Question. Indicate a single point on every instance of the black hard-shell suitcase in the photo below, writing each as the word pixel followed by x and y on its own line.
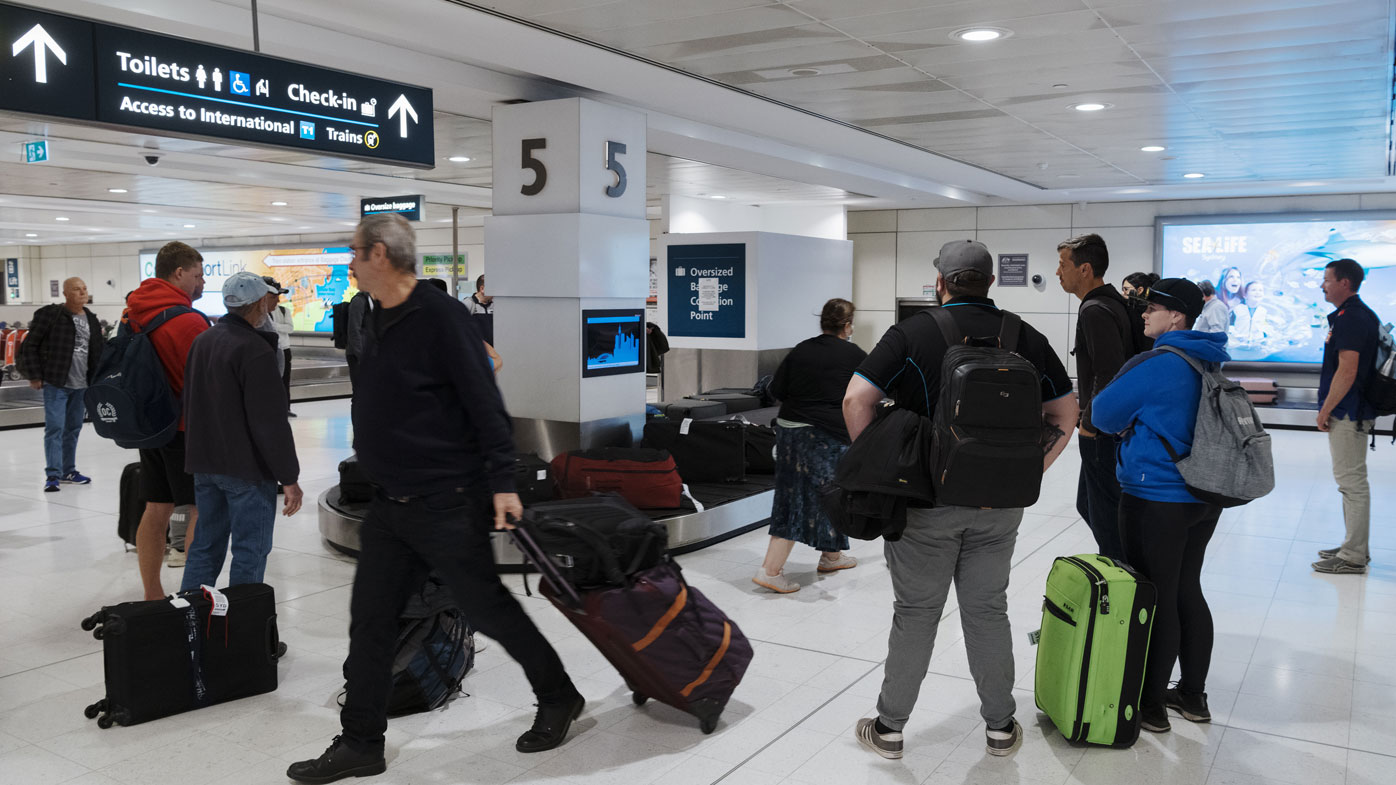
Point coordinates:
pixel 533 479
pixel 736 402
pixel 130 504
pixel 703 451
pixel 164 657
pixel 692 409
pixel 354 487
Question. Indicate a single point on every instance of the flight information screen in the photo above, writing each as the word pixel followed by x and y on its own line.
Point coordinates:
pixel 613 341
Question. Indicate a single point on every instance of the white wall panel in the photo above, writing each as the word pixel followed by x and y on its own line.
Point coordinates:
pixel 1040 216
pixel 1041 247
pixel 874 269
pixel 916 253
pixel 872 221
pixel 1131 249
pixel 960 219
pixel 868 327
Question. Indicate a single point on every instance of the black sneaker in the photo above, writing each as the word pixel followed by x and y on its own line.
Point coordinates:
pixel 336 763
pixel 1193 706
pixel 1154 719
pixel 550 724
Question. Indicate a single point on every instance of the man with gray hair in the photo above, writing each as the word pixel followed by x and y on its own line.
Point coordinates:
pixel 60 357
pixel 434 439
pixel 1216 317
pixel 239 442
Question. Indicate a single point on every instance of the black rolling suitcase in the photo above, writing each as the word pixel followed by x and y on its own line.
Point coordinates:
pixel 693 409
pixel 164 657
pixel 703 451
pixel 533 479
pixel 131 505
pixel 736 402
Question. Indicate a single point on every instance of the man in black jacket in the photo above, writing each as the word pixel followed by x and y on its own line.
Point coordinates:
pixel 238 443
pixel 432 435
pixel 60 356
pixel 1104 341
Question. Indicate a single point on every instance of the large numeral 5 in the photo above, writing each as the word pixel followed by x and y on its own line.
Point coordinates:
pixel 540 172
pixel 614 149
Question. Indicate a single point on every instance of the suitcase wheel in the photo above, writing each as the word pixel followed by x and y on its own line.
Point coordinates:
pixel 99 633
pixel 92 621
pixel 92 711
pixel 104 721
pixel 639 699
pixel 707 711
pixel 708 725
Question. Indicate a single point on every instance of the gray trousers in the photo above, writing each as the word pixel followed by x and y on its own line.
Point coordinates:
pixel 1347 444
pixel 974 548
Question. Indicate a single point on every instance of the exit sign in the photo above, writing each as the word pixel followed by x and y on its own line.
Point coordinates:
pixel 36 152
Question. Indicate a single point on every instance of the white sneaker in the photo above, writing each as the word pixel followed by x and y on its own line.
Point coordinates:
pixel 777 583
pixel 843 562
pixel 175 558
pixel 888 745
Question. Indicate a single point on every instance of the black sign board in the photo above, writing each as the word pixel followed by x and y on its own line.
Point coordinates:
pixel 74 68
pixel 1013 269
pixel 409 207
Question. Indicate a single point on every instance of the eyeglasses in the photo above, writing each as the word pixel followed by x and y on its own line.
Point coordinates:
pixel 1146 294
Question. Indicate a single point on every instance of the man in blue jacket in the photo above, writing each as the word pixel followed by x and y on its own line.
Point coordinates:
pixel 1165 530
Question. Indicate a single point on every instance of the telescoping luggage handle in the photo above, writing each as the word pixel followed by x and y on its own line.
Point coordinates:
pixel 524 541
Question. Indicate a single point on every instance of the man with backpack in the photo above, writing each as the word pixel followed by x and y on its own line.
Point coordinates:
pixel 178 282
pixel 1349 356
pixel 968 536
pixel 1104 341
pixel 60 357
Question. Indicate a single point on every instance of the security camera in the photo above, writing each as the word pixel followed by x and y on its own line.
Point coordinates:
pixel 151 157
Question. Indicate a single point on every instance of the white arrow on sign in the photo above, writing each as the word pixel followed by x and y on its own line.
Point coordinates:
pixel 403 108
pixel 39 38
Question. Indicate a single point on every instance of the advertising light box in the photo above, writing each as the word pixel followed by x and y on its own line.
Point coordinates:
pixel 1268 269
pixel 316 277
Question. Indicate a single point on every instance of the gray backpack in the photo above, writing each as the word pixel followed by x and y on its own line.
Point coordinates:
pixel 1230 463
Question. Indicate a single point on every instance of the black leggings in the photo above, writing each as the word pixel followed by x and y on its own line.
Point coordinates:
pixel 1165 541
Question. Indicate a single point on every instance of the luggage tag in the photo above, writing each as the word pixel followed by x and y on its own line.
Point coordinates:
pixel 1034 636
pixel 542 474
pixel 683 426
pixel 219 600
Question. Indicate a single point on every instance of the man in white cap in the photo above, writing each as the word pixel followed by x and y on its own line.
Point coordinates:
pixel 239 444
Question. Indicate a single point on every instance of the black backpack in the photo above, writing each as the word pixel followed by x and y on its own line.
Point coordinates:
pixel 435 649
pixel 597 541
pixel 1380 391
pixel 987 447
pixel 883 470
pixel 131 402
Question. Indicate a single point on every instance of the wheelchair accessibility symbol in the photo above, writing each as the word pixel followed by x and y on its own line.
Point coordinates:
pixel 371 139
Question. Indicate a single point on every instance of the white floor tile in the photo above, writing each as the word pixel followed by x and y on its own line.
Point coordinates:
pixel 1281 759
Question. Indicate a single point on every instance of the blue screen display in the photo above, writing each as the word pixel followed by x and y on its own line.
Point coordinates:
pixel 613 342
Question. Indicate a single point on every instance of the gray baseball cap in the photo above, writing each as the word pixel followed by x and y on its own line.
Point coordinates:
pixel 245 288
pixel 957 256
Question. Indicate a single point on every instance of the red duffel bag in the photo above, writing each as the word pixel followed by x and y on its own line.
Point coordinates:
pixel 646 478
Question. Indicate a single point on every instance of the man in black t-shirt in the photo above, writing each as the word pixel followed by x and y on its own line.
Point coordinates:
pixel 971 545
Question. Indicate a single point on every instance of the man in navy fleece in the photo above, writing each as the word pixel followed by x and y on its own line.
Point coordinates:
pixel 1164 529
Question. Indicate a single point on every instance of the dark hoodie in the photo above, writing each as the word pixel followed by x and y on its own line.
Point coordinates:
pixel 1156 394
pixel 1104 341
pixel 173 339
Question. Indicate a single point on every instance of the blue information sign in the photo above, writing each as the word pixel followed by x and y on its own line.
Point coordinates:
pixel 707 290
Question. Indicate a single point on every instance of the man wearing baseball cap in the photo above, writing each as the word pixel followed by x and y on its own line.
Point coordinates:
pixel 970 545
pixel 279 321
pixel 1164 529
pixel 239 441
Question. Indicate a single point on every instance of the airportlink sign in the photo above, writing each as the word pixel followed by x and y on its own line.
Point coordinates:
pixel 63 66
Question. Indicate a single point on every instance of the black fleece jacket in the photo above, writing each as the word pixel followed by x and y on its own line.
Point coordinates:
pixel 1104 341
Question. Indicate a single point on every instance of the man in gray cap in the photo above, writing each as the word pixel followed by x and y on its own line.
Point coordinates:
pixel 973 546
pixel 239 444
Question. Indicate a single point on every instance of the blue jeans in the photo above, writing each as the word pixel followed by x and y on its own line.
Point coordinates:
pixel 63 413
pixel 236 509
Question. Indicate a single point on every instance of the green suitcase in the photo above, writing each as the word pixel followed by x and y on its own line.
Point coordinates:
pixel 1096 618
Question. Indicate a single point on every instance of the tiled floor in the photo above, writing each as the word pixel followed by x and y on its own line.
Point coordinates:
pixel 1303 683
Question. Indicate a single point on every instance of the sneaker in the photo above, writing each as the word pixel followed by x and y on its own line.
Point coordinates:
pixel 1003 742
pixel 336 763
pixel 888 745
pixel 1337 566
pixel 777 583
pixel 74 478
pixel 1193 706
pixel 175 558
pixel 843 562
pixel 51 485
pixel 1330 553
pixel 1155 719
pixel 550 724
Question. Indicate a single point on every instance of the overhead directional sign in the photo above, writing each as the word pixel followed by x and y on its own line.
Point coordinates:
pixel 409 207
pixel 68 67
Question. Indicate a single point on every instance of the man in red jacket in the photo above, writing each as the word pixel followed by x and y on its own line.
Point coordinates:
pixel 178 281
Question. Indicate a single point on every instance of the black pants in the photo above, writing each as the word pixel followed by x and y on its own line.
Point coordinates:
pixel 1165 541
pixel 1098 492
pixel 286 374
pixel 449 533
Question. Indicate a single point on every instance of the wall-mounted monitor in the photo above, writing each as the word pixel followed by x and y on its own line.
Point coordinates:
pixel 613 341
pixel 1267 270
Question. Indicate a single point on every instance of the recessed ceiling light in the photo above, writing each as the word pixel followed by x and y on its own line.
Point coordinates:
pixel 980 34
pixel 116 190
pixel 458 159
pixel 30 234
pixel 1194 175
pixel 1134 191
pixel 1068 176
pixel 277 218
pixel 1152 148
pixel 1090 107
pixel 303 228
pixel 63 218
pixel 189 226
pixel 805 72
pixel 278 204
pixel 717 196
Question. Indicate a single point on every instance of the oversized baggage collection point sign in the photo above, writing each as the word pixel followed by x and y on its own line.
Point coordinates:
pixel 68 67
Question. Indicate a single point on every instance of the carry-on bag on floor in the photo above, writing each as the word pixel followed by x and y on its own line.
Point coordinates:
pixel 164 657
pixel 703 451
pixel 736 402
pixel 130 504
pixel 1097 615
pixel 533 479
pixel 435 649
pixel 667 640
pixel 646 478
pixel 692 409
pixel 354 487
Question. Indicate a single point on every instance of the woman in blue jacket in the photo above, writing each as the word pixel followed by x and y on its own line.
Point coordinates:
pixel 1165 530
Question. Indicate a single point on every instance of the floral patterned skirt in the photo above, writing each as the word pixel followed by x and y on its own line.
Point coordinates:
pixel 805 460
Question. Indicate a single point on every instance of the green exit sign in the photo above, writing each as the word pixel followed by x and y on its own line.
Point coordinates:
pixel 36 152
